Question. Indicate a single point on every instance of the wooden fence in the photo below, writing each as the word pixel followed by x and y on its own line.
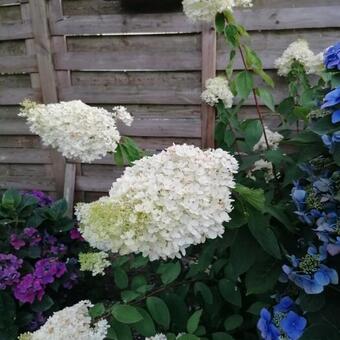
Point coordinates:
pixel 155 64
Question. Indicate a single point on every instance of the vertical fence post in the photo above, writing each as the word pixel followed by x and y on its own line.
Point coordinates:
pixel 208 71
pixel 63 79
pixel 42 42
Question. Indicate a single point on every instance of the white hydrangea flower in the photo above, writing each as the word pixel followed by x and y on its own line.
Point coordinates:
pixel 70 323
pixel 94 262
pixel 217 89
pixel 206 10
pixel 122 114
pixel 274 139
pixel 163 204
pixel 77 130
pixel 161 336
pixel 262 165
pixel 299 51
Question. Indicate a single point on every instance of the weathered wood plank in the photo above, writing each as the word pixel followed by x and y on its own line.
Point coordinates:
pixel 69 186
pixel 176 60
pixel 47 75
pixel 39 170
pixel 9 13
pixel 25 156
pixel 289 18
pixel 12 48
pixel 94 183
pixel 14 127
pixel 270 45
pixel 14 96
pixel 18 64
pixel 79 7
pixel 208 71
pixel 19 142
pixel 133 96
pixel 17 30
pixel 9 2
pixel 118 24
pixel 27 183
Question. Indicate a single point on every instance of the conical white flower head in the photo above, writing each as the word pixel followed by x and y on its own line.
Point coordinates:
pixel 163 204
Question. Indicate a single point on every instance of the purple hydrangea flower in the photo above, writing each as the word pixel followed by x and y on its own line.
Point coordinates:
pixel 9 274
pixel 28 289
pixel 16 242
pixel 47 270
pixel 43 199
pixel 75 234
pixel 32 235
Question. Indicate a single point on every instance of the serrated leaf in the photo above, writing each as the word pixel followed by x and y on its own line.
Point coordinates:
pixel 255 197
pixel 266 98
pixel 244 84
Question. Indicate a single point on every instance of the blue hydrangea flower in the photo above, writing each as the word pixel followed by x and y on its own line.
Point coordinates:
pixel 282 323
pixel 293 325
pixel 332 57
pixel 336 117
pixel 332 98
pixel 309 273
pixel 330 141
pixel 266 326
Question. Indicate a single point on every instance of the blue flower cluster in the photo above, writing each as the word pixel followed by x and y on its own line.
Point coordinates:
pixel 282 323
pixel 332 57
pixel 309 272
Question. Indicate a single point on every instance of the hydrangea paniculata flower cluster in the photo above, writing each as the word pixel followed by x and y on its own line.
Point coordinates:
pixel 281 323
pixel 163 204
pixel 94 262
pixel 217 89
pixel 274 139
pixel 206 10
pixel 70 323
pixel 299 51
pixel 265 166
pixel 77 130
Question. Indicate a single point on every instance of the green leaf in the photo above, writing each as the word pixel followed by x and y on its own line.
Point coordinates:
pixel 252 59
pixel 126 314
pixel 221 336
pixel 145 327
pixel 255 197
pixel 232 35
pixel 230 292
pixel 159 311
pixel 323 126
pixel 97 310
pixel 256 307
pixel 262 276
pixel 230 66
pixel 320 331
pixel 121 278
pixel 232 322
pixel 311 303
pixel 44 305
pixel 219 23
pixel 336 153
pixel 194 321
pixel 252 131
pixel 122 331
pixel 188 337
pixel 286 107
pixel 265 77
pixel 263 234
pixel 267 98
pixel 202 289
pixel 244 84
pixel 169 272
pixel 242 252
pixel 119 156
pixel 11 199
pixel 129 295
